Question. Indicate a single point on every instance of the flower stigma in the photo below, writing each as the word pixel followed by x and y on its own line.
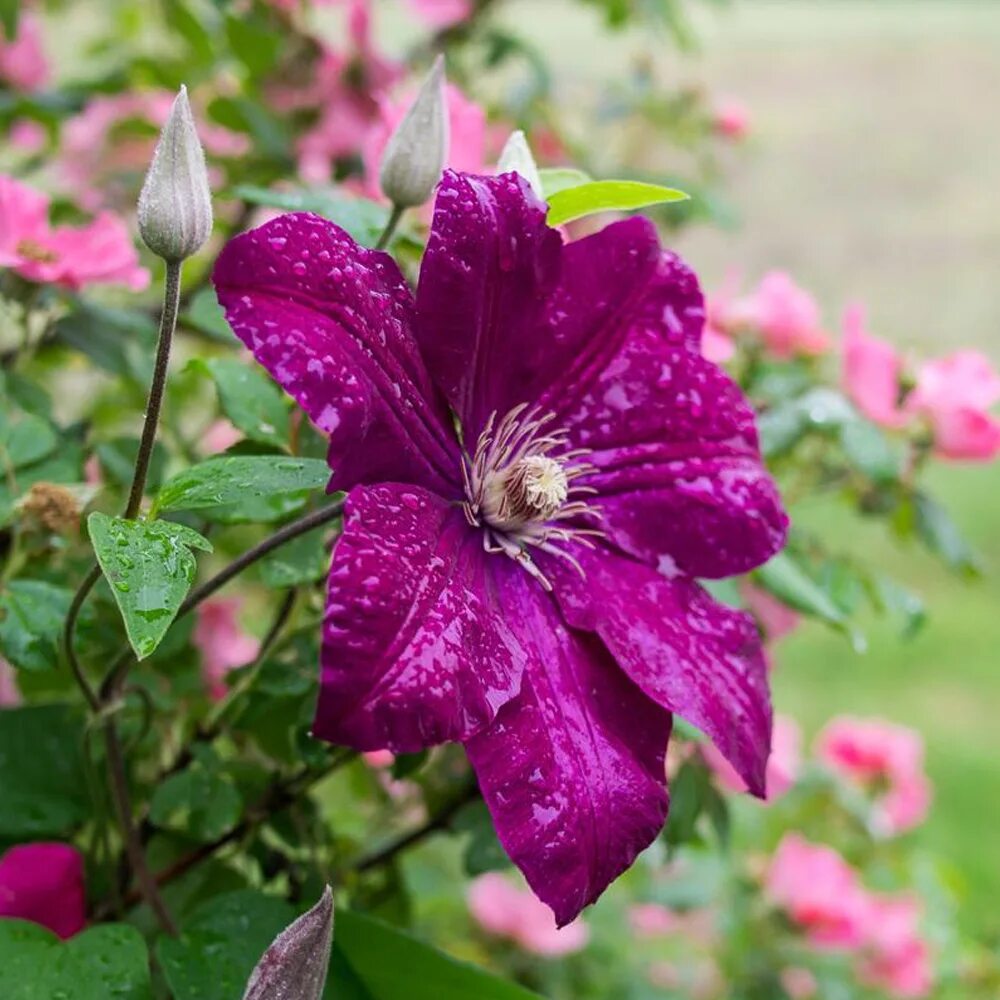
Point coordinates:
pixel 520 489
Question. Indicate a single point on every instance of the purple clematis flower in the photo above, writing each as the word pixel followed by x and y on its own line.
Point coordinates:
pixel 524 584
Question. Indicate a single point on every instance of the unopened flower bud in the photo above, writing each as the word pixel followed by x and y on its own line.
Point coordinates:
pixel 294 967
pixel 175 205
pixel 516 156
pixel 416 152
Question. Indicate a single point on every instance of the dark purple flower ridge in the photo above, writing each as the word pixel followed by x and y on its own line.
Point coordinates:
pixel 529 589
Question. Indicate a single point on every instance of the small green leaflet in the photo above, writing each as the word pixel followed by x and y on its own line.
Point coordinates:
pixel 250 399
pixel 32 613
pixel 105 961
pixel 607 196
pixel 150 567
pixel 220 482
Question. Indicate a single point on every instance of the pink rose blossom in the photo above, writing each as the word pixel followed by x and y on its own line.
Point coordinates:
pixel 10 693
pixel 785 315
pixel 100 252
pixel 819 891
pixel 441 13
pixel 872 371
pixel 220 436
pixel 886 759
pixel 783 766
pixel 23 65
pixel 43 883
pixel 223 644
pixel 731 119
pixel 504 911
pixel 955 393
pixel 27 136
pixel 895 957
pixel 468 131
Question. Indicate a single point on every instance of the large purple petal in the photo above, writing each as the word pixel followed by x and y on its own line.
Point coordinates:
pixel 690 654
pixel 573 769
pixel 331 321
pixel 489 265
pixel 416 650
pixel 680 480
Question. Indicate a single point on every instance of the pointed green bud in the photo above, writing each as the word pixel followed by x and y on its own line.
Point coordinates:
pixel 294 967
pixel 516 156
pixel 416 152
pixel 175 205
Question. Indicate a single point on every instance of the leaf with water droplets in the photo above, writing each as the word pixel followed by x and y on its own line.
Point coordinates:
pixel 572 203
pixel 276 482
pixel 104 963
pixel 32 613
pixel 250 400
pixel 150 567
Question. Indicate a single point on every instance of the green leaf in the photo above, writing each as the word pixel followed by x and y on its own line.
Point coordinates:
pixel 150 567
pixel 391 964
pixel 364 220
pixel 217 949
pixel 32 613
pixel 26 440
pixel 117 458
pixel 784 577
pixel 556 179
pixel 105 962
pixel 41 773
pixel 872 453
pixel 302 560
pixel 199 801
pixel 205 315
pixel 237 479
pixel 250 400
pixel 118 340
pixel 940 534
pixel 483 851
pixel 253 42
pixel 9 15
pixel 607 196
pixel 689 795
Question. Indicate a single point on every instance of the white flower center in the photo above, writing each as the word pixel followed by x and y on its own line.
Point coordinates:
pixel 520 489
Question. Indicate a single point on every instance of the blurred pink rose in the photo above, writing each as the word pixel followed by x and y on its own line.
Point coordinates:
pixel 100 252
pixel 23 65
pixel 43 883
pixel 379 759
pixel 27 136
pixel 785 315
pixel 884 758
pixel 222 642
pixel 10 693
pixel 783 766
pixel 799 983
pixel 505 911
pixel 467 124
pixel 775 618
pixel 895 957
pixel 441 13
pixel 219 436
pixel 819 891
pixel 650 920
pixel 101 159
pixel 955 393
pixel 872 371
pixel 731 119
pixel 716 346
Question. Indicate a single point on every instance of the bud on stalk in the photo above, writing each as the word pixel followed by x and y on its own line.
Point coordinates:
pixel 175 205
pixel 294 967
pixel 516 156
pixel 416 152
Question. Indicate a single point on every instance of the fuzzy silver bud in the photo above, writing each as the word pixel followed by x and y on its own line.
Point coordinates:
pixel 516 156
pixel 175 205
pixel 294 967
pixel 417 150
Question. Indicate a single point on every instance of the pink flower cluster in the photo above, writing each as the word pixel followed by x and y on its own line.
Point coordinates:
pixel 953 395
pixel 504 911
pixel 823 896
pixel 100 252
pixel 885 760
pixel 223 644
pixel 43 883
pixel 23 64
